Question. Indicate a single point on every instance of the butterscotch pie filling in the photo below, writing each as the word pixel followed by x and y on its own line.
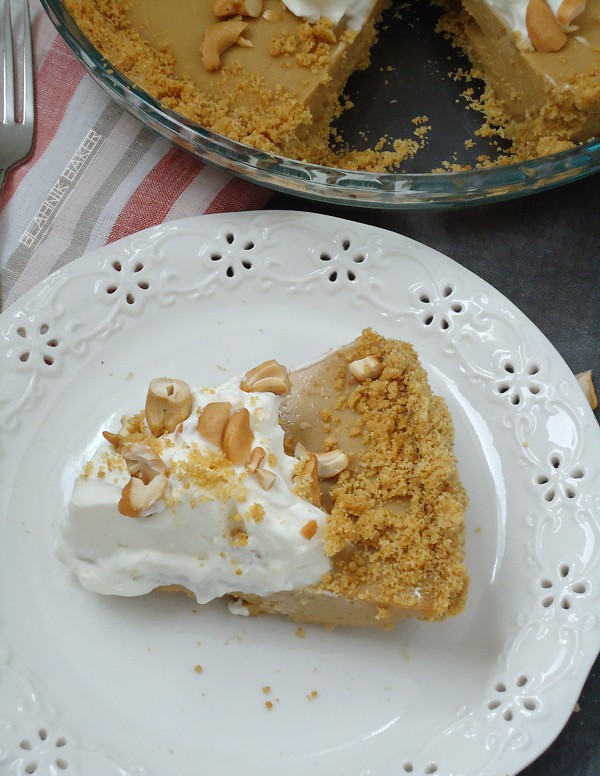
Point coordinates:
pixel 329 494
pixel 270 73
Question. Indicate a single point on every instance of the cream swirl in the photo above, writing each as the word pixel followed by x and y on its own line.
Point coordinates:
pixel 354 12
pixel 214 532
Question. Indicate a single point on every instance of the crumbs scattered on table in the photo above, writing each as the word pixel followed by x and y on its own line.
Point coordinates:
pixel 198 669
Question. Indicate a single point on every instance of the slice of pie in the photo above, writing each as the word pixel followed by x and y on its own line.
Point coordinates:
pixel 269 74
pixel 541 61
pixel 330 495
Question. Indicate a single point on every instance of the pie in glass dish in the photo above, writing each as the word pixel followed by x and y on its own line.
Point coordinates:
pixel 271 73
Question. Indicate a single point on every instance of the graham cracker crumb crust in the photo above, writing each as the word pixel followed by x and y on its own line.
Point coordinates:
pixel 397 522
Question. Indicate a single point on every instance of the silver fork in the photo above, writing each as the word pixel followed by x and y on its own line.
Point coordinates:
pixel 16 137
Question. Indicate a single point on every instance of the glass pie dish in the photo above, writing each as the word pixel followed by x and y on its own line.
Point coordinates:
pixel 417 65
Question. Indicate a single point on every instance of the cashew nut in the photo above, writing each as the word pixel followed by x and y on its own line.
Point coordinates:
pixel 168 403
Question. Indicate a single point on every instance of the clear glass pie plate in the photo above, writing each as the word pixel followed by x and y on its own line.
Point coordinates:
pixel 417 64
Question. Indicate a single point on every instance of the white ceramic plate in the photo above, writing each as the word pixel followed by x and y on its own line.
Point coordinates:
pixel 106 686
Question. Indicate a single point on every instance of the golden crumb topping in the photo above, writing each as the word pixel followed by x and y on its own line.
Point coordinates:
pixel 396 527
pixel 285 43
pixel 204 475
pixel 239 537
pixel 316 43
pixel 309 529
pixel 256 512
pixel 211 472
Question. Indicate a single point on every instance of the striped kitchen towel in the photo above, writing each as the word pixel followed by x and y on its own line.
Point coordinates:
pixel 96 174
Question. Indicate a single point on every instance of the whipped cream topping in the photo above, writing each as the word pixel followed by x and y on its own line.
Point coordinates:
pixel 512 12
pixel 354 12
pixel 514 15
pixel 215 531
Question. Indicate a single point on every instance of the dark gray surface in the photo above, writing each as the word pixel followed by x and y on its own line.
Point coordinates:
pixel 543 253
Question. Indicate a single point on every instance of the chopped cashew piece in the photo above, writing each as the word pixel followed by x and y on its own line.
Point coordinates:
pixel 587 386
pixel 118 440
pixel 256 457
pixel 307 480
pixel 268 377
pixel 365 368
pixel 238 437
pixel 138 497
pixel 217 39
pixel 568 10
pixel 331 464
pixel 272 16
pixel 300 451
pixel 168 403
pixel 212 421
pixel 266 478
pixel 251 8
pixel 309 529
pixel 143 462
pixel 544 31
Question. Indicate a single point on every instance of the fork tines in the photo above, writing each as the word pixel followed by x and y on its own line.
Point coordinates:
pixel 16 137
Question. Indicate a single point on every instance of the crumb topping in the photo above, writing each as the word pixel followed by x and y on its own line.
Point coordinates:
pixel 256 512
pixel 396 525
pixel 285 43
pixel 317 41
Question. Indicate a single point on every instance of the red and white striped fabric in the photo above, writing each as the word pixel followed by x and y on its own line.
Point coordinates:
pixel 96 174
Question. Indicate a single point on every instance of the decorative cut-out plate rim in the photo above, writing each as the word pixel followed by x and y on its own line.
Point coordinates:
pixel 521 420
